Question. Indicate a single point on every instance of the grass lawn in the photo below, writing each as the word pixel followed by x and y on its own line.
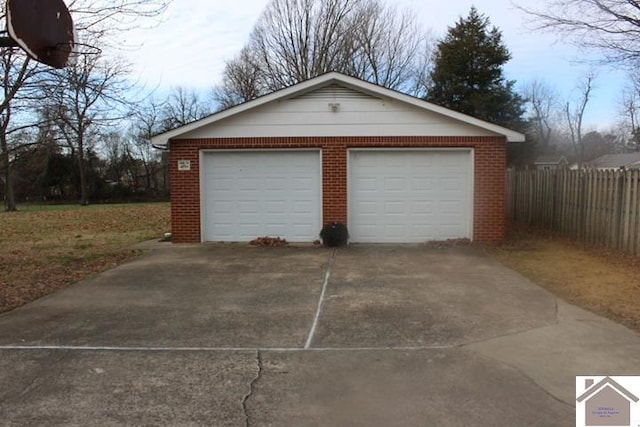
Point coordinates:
pixel 601 280
pixel 43 249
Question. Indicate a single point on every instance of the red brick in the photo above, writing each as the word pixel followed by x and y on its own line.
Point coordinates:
pixel 489 177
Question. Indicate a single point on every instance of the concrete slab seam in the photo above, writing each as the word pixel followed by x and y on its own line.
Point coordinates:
pixel 506 335
pixel 530 379
pixel 252 389
pixel 316 318
pixel 221 349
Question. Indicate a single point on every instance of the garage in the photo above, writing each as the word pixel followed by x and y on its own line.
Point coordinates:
pixel 408 196
pixel 336 149
pixel 260 193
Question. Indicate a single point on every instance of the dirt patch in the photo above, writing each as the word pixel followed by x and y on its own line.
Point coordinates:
pixel 42 251
pixel 601 280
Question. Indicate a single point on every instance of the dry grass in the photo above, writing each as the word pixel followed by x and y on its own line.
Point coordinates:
pixel 601 280
pixel 45 249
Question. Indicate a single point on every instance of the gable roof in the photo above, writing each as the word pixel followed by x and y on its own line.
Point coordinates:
pixel 610 382
pixel 551 159
pixel 615 161
pixel 342 80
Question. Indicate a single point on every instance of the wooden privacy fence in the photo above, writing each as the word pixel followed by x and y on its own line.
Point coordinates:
pixel 597 207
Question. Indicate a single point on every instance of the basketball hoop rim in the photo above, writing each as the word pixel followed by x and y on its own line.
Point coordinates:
pixel 72 48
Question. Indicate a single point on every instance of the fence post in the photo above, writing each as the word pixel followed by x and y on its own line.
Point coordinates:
pixel 627 211
pixel 635 204
pixel 617 209
pixel 581 205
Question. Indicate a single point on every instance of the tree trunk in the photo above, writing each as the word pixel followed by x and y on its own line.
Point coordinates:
pixel 9 195
pixel 84 194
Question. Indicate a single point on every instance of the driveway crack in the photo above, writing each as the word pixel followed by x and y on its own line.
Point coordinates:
pixel 252 389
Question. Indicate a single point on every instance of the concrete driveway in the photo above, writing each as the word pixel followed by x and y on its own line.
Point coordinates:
pixel 304 336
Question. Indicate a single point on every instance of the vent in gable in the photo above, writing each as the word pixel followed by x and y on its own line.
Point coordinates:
pixel 333 92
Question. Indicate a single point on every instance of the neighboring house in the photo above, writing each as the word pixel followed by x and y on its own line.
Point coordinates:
pixel 393 168
pixel 551 162
pixel 615 161
pixel 607 403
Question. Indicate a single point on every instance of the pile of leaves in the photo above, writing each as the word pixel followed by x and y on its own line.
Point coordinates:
pixel 271 242
pixel 449 243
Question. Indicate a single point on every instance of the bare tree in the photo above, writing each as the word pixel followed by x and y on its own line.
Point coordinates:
pixel 610 26
pixel 148 122
pixel 183 106
pixel 575 116
pixel 104 20
pixel 15 71
pixel 630 114
pixel 544 111
pixel 85 97
pixel 295 40
pixel 387 44
pixel 241 81
pixel 108 21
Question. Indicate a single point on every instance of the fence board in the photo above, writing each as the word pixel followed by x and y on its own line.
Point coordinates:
pixel 634 228
pixel 597 207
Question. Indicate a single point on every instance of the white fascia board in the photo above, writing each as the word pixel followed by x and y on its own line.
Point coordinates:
pixel 375 90
pixel 163 138
pixel 335 77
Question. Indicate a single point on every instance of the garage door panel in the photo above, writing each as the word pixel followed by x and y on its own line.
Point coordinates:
pixel 276 206
pixel 422 208
pixel 451 184
pixel 394 184
pixel 409 196
pixel 250 194
pixel 303 208
pixel 394 229
pixel 274 184
pixel 422 184
pixel 394 208
pixel 452 208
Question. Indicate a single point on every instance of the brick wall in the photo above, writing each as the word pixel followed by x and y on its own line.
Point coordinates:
pixel 489 173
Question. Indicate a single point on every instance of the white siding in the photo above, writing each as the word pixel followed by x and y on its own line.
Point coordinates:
pixel 359 114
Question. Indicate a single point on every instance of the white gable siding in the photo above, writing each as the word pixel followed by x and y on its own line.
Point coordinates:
pixel 359 114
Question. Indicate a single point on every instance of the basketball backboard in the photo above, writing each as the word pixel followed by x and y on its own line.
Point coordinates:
pixel 43 29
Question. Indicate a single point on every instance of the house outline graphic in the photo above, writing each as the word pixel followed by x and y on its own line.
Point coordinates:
pixel 607 403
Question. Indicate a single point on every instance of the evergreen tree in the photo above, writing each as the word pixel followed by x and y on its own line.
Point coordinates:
pixel 468 76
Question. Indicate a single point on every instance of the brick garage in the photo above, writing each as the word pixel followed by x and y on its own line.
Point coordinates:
pixel 391 167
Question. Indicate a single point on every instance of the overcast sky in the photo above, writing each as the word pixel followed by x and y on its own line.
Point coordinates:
pixel 196 36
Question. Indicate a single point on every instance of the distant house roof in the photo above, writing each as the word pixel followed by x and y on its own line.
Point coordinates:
pixel 551 159
pixel 616 161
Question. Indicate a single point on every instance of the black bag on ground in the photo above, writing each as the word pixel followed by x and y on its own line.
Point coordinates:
pixel 334 234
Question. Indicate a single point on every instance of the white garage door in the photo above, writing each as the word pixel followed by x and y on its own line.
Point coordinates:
pixel 410 196
pixel 249 194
